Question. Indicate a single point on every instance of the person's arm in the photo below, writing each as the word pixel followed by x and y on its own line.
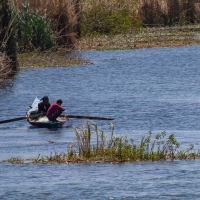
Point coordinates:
pixel 48 106
pixel 60 107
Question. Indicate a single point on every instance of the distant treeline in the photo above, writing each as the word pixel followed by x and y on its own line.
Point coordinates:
pixel 42 24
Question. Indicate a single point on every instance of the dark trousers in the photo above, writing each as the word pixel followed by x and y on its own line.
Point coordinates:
pixel 54 115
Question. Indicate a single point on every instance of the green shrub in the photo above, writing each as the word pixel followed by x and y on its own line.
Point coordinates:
pixel 102 19
pixel 33 29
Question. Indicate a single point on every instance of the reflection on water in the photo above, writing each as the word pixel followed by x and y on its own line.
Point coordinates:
pixel 146 89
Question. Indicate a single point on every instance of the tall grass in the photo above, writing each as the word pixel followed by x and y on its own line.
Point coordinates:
pixel 63 16
pixel 71 19
pixel 93 145
pixel 8 34
pixel 8 49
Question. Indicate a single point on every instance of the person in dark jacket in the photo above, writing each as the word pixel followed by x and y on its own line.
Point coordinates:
pixel 44 105
pixel 55 110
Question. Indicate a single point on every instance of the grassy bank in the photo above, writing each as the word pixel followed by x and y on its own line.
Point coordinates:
pixel 144 38
pixel 93 145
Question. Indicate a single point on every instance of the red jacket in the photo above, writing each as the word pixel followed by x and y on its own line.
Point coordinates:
pixel 53 108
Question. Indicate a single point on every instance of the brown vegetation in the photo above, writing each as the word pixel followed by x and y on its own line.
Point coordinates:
pixel 7 33
pixel 167 12
pixel 67 20
pixel 8 56
pixel 151 12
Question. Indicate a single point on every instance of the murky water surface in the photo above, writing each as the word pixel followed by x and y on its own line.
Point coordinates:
pixel 146 89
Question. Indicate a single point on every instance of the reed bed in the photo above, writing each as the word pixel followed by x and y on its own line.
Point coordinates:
pixel 120 16
pixel 71 19
pixel 114 24
pixel 7 56
pixel 108 17
pixel 8 49
pixel 168 12
pixel 92 144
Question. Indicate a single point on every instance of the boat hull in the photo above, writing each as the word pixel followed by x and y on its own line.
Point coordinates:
pixel 50 125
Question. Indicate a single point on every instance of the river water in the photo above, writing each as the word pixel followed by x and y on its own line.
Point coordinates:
pixel 146 89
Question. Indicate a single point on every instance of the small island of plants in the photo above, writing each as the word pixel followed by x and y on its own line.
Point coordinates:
pixel 92 145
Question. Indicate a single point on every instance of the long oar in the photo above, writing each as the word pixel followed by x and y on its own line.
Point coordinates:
pixel 12 120
pixel 64 115
pixel 19 118
pixel 86 117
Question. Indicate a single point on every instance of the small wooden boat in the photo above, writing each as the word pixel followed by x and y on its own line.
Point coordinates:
pixel 41 121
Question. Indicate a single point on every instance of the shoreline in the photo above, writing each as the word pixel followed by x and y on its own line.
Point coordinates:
pixel 143 38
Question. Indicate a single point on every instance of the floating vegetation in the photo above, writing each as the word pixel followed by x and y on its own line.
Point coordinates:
pixel 53 158
pixel 92 145
pixel 14 160
pixel 51 58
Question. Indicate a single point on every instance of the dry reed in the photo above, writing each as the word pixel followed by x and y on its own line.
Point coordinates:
pixel 167 12
pixel 7 46
pixel 152 12
pixel 5 69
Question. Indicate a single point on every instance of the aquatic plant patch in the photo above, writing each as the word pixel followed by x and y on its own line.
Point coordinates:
pixel 92 144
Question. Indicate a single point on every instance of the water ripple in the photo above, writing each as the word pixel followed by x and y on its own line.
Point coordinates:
pixel 146 89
